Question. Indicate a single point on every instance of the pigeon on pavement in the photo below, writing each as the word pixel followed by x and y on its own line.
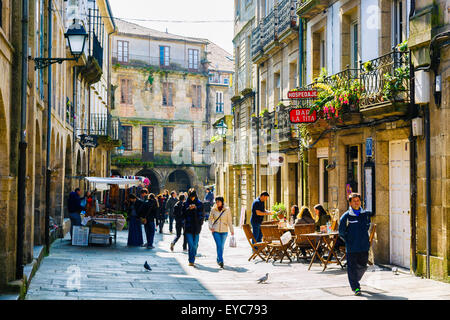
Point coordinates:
pixel 146 266
pixel 263 279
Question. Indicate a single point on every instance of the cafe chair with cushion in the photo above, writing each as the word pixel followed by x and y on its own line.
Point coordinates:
pixel 258 248
pixel 278 246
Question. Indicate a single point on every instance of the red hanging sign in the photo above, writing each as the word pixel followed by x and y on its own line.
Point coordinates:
pixel 302 116
pixel 303 94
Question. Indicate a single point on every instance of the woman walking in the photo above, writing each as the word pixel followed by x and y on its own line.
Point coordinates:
pixel 193 217
pixel 135 238
pixel 179 222
pixel 220 221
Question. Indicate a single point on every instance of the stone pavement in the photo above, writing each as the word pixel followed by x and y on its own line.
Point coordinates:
pixel 117 272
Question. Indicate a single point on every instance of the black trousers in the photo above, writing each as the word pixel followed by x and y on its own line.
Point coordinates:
pixel 179 229
pixel 356 267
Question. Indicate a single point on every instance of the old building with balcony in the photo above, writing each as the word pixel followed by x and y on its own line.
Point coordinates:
pixel 363 58
pixel 59 100
pixel 168 91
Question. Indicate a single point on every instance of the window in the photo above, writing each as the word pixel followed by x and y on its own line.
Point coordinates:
pixel 122 51
pixel 164 56
pixel 126 91
pixel 400 30
pixel 226 81
pixel 193 59
pixel 196 142
pixel 219 102
pixel 167 94
pixel 323 181
pixel 196 96
pixel 277 91
pixel 147 139
pixel 1 14
pixel 167 139
pixel 354 168
pixel 354 45
pixel 126 137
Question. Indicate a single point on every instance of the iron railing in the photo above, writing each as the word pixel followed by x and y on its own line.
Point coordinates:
pixel 256 41
pixel 287 17
pixel 269 28
pixel 102 124
pixel 146 61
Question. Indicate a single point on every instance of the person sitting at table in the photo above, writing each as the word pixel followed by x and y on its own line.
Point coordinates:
pixel 294 212
pixel 304 217
pixel 322 217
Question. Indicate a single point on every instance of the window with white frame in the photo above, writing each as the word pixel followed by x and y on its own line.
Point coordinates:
pixel 122 51
pixel 193 59
pixel 354 45
pixel 164 56
pixel 219 102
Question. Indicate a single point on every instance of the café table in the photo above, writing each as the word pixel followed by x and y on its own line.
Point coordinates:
pixel 329 240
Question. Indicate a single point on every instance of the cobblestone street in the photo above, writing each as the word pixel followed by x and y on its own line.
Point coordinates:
pixel 117 272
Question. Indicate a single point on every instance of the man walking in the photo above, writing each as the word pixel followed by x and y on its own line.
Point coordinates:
pixel 141 205
pixel 169 208
pixel 179 222
pixel 74 206
pixel 258 213
pixel 193 217
pixel 208 202
pixel 354 230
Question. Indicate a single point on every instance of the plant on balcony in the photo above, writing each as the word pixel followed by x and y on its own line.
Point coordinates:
pixel 235 99
pixel 394 85
pixel 264 112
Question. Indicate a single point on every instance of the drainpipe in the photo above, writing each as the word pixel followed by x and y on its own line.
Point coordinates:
pixel 256 95
pixel 48 171
pixel 21 182
pixel 108 98
pixel 428 184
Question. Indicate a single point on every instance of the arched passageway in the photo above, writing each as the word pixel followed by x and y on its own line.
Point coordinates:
pixel 154 186
pixel 178 180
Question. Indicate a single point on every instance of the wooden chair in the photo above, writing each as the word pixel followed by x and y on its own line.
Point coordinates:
pixel 258 248
pixel 301 242
pixel 371 236
pixel 334 225
pixel 272 222
pixel 277 248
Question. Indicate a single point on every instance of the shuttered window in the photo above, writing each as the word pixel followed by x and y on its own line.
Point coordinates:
pixel 126 91
pixel 167 94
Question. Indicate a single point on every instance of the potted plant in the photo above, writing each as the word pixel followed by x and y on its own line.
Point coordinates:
pixel 279 211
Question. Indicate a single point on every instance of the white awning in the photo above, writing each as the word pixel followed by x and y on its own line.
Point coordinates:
pixel 102 184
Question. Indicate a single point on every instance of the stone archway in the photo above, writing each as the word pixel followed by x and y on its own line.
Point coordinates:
pixel 154 186
pixel 178 181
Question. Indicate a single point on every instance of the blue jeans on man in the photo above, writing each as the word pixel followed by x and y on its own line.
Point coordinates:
pixel 150 232
pixel 75 220
pixel 192 241
pixel 220 238
pixel 256 229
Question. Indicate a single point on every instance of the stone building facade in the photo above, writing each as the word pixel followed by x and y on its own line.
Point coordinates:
pixel 165 100
pixel 66 156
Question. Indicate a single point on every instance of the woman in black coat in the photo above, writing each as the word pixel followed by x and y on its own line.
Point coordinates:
pixel 193 220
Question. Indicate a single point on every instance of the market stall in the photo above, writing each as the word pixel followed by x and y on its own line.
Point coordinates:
pixel 107 220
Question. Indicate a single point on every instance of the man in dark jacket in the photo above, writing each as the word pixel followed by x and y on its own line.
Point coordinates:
pixel 74 207
pixel 354 230
pixel 149 211
pixel 193 220
pixel 169 208
pixel 179 222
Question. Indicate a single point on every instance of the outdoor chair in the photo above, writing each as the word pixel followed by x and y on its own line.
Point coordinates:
pixel 371 236
pixel 272 222
pixel 301 242
pixel 278 247
pixel 258 248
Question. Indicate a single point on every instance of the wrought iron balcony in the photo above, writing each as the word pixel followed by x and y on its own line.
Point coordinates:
pixel 146 61
pixel 256 42
pixel 269 28
pixel 102 125
pixel 287 18
pixel 385 80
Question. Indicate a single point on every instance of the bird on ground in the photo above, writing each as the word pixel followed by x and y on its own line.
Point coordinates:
pixel 146 266
pixel 263 279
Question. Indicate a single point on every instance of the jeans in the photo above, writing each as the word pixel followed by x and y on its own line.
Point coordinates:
pixel 192 241
pixel 356 267
pixel 171 219
pixel 256 229
pixel 179 229
pixel 150 232
pixel 161 221
pixel 75 220
pixel 220 238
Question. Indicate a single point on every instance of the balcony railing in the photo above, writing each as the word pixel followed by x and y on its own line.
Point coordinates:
pixel 102 125
pixel 256 41
pixel 269 28
pixel 145 61
pixel 287 17
pixel 385 79
pixel 381 81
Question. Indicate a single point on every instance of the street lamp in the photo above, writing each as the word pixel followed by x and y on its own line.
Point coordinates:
pixel 76 36
pixel 221 128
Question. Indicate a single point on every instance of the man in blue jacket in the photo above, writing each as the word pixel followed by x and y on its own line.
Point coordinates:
pixel 354 230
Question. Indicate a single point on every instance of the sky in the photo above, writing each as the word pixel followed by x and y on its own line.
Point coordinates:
pixel 221 33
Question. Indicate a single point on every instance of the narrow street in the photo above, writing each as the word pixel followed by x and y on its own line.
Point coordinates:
pixel 117 272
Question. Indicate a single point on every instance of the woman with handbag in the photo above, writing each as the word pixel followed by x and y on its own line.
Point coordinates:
pixel 220 221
